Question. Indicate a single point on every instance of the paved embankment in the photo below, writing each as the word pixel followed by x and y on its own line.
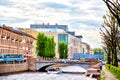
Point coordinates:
pixel 109 76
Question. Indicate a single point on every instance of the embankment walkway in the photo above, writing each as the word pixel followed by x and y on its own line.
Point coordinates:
pixel 109 76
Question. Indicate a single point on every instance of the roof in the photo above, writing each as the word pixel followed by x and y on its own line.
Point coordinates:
pixel 16 31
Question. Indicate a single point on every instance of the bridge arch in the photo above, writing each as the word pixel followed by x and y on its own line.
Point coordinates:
pixel 43 69
pixel 41 66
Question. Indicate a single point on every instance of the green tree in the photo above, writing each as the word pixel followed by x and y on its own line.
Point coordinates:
pixel 63 51
pixel 45 46
pixel 40 49
pixel 98 51
pixel 50 47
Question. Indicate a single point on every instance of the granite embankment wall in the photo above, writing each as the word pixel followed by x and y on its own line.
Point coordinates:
pixel 7 68
pixel 30 64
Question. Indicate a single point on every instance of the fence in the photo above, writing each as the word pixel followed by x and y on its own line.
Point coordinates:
pixel 88 56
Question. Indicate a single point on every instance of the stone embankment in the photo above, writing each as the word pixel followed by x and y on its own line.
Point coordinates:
pixel 7 68
pixel 58 65
pixel 30 64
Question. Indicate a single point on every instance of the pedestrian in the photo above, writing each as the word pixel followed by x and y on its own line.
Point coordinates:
pixel 100 64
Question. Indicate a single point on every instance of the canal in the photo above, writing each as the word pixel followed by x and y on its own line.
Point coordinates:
pixel 45 76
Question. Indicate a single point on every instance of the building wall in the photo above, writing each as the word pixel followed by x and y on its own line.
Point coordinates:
pixel 13 41
pixel 85 48
pixel 34 34
pixel 74 45
pixel 91 51
pixel 63 37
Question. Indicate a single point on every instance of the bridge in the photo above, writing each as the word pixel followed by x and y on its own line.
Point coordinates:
pixel 41 66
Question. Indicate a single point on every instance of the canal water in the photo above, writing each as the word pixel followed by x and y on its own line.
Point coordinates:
pixel 44 76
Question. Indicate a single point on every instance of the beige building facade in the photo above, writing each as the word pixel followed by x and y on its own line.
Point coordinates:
pixel 74 45
pixel 85 48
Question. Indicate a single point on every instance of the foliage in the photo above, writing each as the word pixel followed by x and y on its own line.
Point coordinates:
pixel 114 70
pixel 40 44
pixel 110 38
pixel 98 51
pixel 45 46
pixel 63 50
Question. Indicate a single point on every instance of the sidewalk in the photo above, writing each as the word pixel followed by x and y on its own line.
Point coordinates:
pixel 109 75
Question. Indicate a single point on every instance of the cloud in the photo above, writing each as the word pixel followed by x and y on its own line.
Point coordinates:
pixel 90 35
pixel 83 16
pixel 55 5
pixel 6 3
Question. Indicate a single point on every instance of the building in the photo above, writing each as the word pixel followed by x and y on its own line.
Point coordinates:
pixel 13 41
pixel 74 43
pixel 47 27
pixel 85 48
pixel 91 51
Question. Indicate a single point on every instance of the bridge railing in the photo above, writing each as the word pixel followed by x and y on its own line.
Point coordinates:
pixel 88 56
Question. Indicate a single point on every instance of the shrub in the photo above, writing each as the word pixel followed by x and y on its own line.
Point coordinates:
pixel 114 70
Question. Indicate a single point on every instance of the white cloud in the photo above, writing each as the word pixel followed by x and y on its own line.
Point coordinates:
pixel 90 35
pixel 83 16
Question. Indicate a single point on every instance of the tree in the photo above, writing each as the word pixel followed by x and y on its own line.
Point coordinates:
pixel 114 8
pixel 110 38
pixel 45 46
pixel 40 49
pixel 63 51
pixel 98 51
pixel 50 47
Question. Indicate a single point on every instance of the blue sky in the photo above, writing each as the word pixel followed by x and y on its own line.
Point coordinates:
pixel 82 16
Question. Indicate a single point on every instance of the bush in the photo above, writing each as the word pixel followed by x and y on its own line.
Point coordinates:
pixel 114 70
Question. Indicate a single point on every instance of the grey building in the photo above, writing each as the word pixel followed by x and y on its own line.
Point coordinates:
pixel 52 28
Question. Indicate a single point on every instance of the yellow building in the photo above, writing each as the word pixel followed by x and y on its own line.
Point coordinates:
pixel 34 34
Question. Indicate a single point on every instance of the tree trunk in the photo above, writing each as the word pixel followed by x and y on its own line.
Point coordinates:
pixel 109 57
pixel 115 58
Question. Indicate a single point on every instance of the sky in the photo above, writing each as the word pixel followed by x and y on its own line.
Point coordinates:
pixel 82 16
